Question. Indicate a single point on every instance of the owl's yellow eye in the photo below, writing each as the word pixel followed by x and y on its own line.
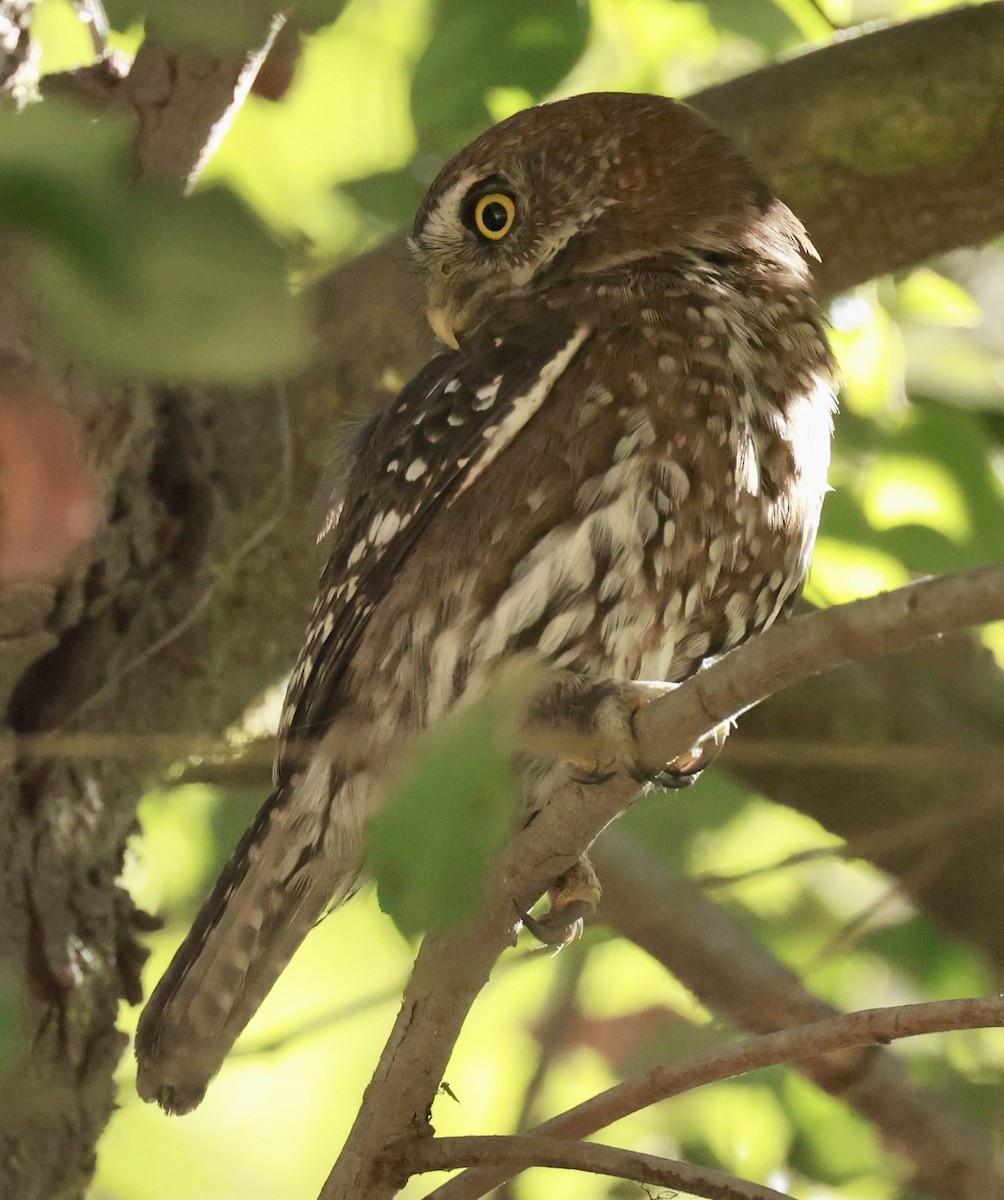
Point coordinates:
pixel 494 215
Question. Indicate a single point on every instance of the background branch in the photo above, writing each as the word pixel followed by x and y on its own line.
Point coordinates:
pixel 518 1153
pixel 792 1045
pixel 185 97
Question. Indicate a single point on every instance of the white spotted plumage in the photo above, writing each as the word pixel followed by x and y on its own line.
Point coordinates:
pixel 618 466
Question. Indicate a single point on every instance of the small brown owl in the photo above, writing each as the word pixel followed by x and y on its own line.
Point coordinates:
pixel 617 466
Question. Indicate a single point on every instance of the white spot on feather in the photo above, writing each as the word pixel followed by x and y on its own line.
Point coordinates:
pixel 522 408
pixel 389 524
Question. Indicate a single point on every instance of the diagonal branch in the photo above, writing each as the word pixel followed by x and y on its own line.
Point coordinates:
pixel 452 968
pixel 870 1027
pixel 518 1153
pixel 185 97
pixel 738 979
pixel 796 650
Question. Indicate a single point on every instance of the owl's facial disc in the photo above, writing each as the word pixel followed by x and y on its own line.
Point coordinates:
pixel 466 243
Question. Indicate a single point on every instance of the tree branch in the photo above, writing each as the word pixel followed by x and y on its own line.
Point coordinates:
pixel 796 650
pixel 739 980
pixel 889 153
pixel 451 968
pixel 184 98
pixel 870 1027
pixel 518 1153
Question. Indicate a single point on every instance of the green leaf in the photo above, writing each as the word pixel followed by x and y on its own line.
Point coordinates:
pixel 452 812
pixel 206 296
pixel 925 295
pixel 776 26
pixel 55 164
pixel 390 196
pixel 765 24
pixel 313 14
pixel 135 280
pixel 216 28
pixel 478 48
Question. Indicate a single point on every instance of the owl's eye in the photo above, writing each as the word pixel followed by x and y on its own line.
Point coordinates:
pixel 492 215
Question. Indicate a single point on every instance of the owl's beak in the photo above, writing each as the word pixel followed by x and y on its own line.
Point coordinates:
pixel 441 318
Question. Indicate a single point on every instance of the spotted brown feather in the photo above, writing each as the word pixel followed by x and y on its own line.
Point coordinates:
pixel 619 469
pixel 449 422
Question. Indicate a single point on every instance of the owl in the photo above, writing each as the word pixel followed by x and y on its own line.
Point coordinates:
pixel 616 466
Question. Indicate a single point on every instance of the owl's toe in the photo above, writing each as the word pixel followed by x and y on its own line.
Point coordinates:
pixel 686 768
pixel 613 722
pixel 574 897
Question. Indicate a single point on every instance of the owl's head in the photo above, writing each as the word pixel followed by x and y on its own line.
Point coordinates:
pixel 591 185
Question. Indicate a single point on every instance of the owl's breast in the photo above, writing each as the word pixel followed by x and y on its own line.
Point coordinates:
pixel 655 511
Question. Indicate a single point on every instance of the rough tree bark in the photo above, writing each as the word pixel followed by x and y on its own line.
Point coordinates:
pixel 889 146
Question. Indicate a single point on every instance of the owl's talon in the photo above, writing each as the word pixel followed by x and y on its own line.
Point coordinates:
pixel 574 897
pixel 557 928
pixel 614 720
pixel 686 768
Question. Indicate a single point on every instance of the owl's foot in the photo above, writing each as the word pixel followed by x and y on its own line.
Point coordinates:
pixel 604 713
pixel 573 897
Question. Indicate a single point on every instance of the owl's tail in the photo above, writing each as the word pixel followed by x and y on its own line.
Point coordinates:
pixel 290 866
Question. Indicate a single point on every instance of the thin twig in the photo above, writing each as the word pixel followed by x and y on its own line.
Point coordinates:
pixel 874 1026
pixel 514 1154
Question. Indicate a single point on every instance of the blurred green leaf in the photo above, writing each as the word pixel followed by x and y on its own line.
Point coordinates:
pixel 953 365
pixel 476 48
pixel 206 296
pixel 453 812
pixel 766 24
pixel 56 162
pixel 901 489
pixel 740 1125
pixel 831 1142
pixel 217 28
pixel 312 14
pixel 943 966
pixel 869 347
pixel 666 822
pixel 136 280
pixel 391 196
pixel 925 295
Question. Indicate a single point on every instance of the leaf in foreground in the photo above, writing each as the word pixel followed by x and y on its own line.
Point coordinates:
pixel 451 812
pixel 138 281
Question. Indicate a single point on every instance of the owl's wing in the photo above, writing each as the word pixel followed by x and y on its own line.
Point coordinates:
pixel 446 426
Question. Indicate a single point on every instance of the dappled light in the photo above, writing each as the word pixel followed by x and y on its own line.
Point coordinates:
pixel 220 288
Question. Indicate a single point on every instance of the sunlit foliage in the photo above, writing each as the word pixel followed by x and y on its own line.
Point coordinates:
pixel 381 96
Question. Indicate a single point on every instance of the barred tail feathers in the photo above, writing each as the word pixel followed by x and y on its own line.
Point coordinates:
pixel 297 859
